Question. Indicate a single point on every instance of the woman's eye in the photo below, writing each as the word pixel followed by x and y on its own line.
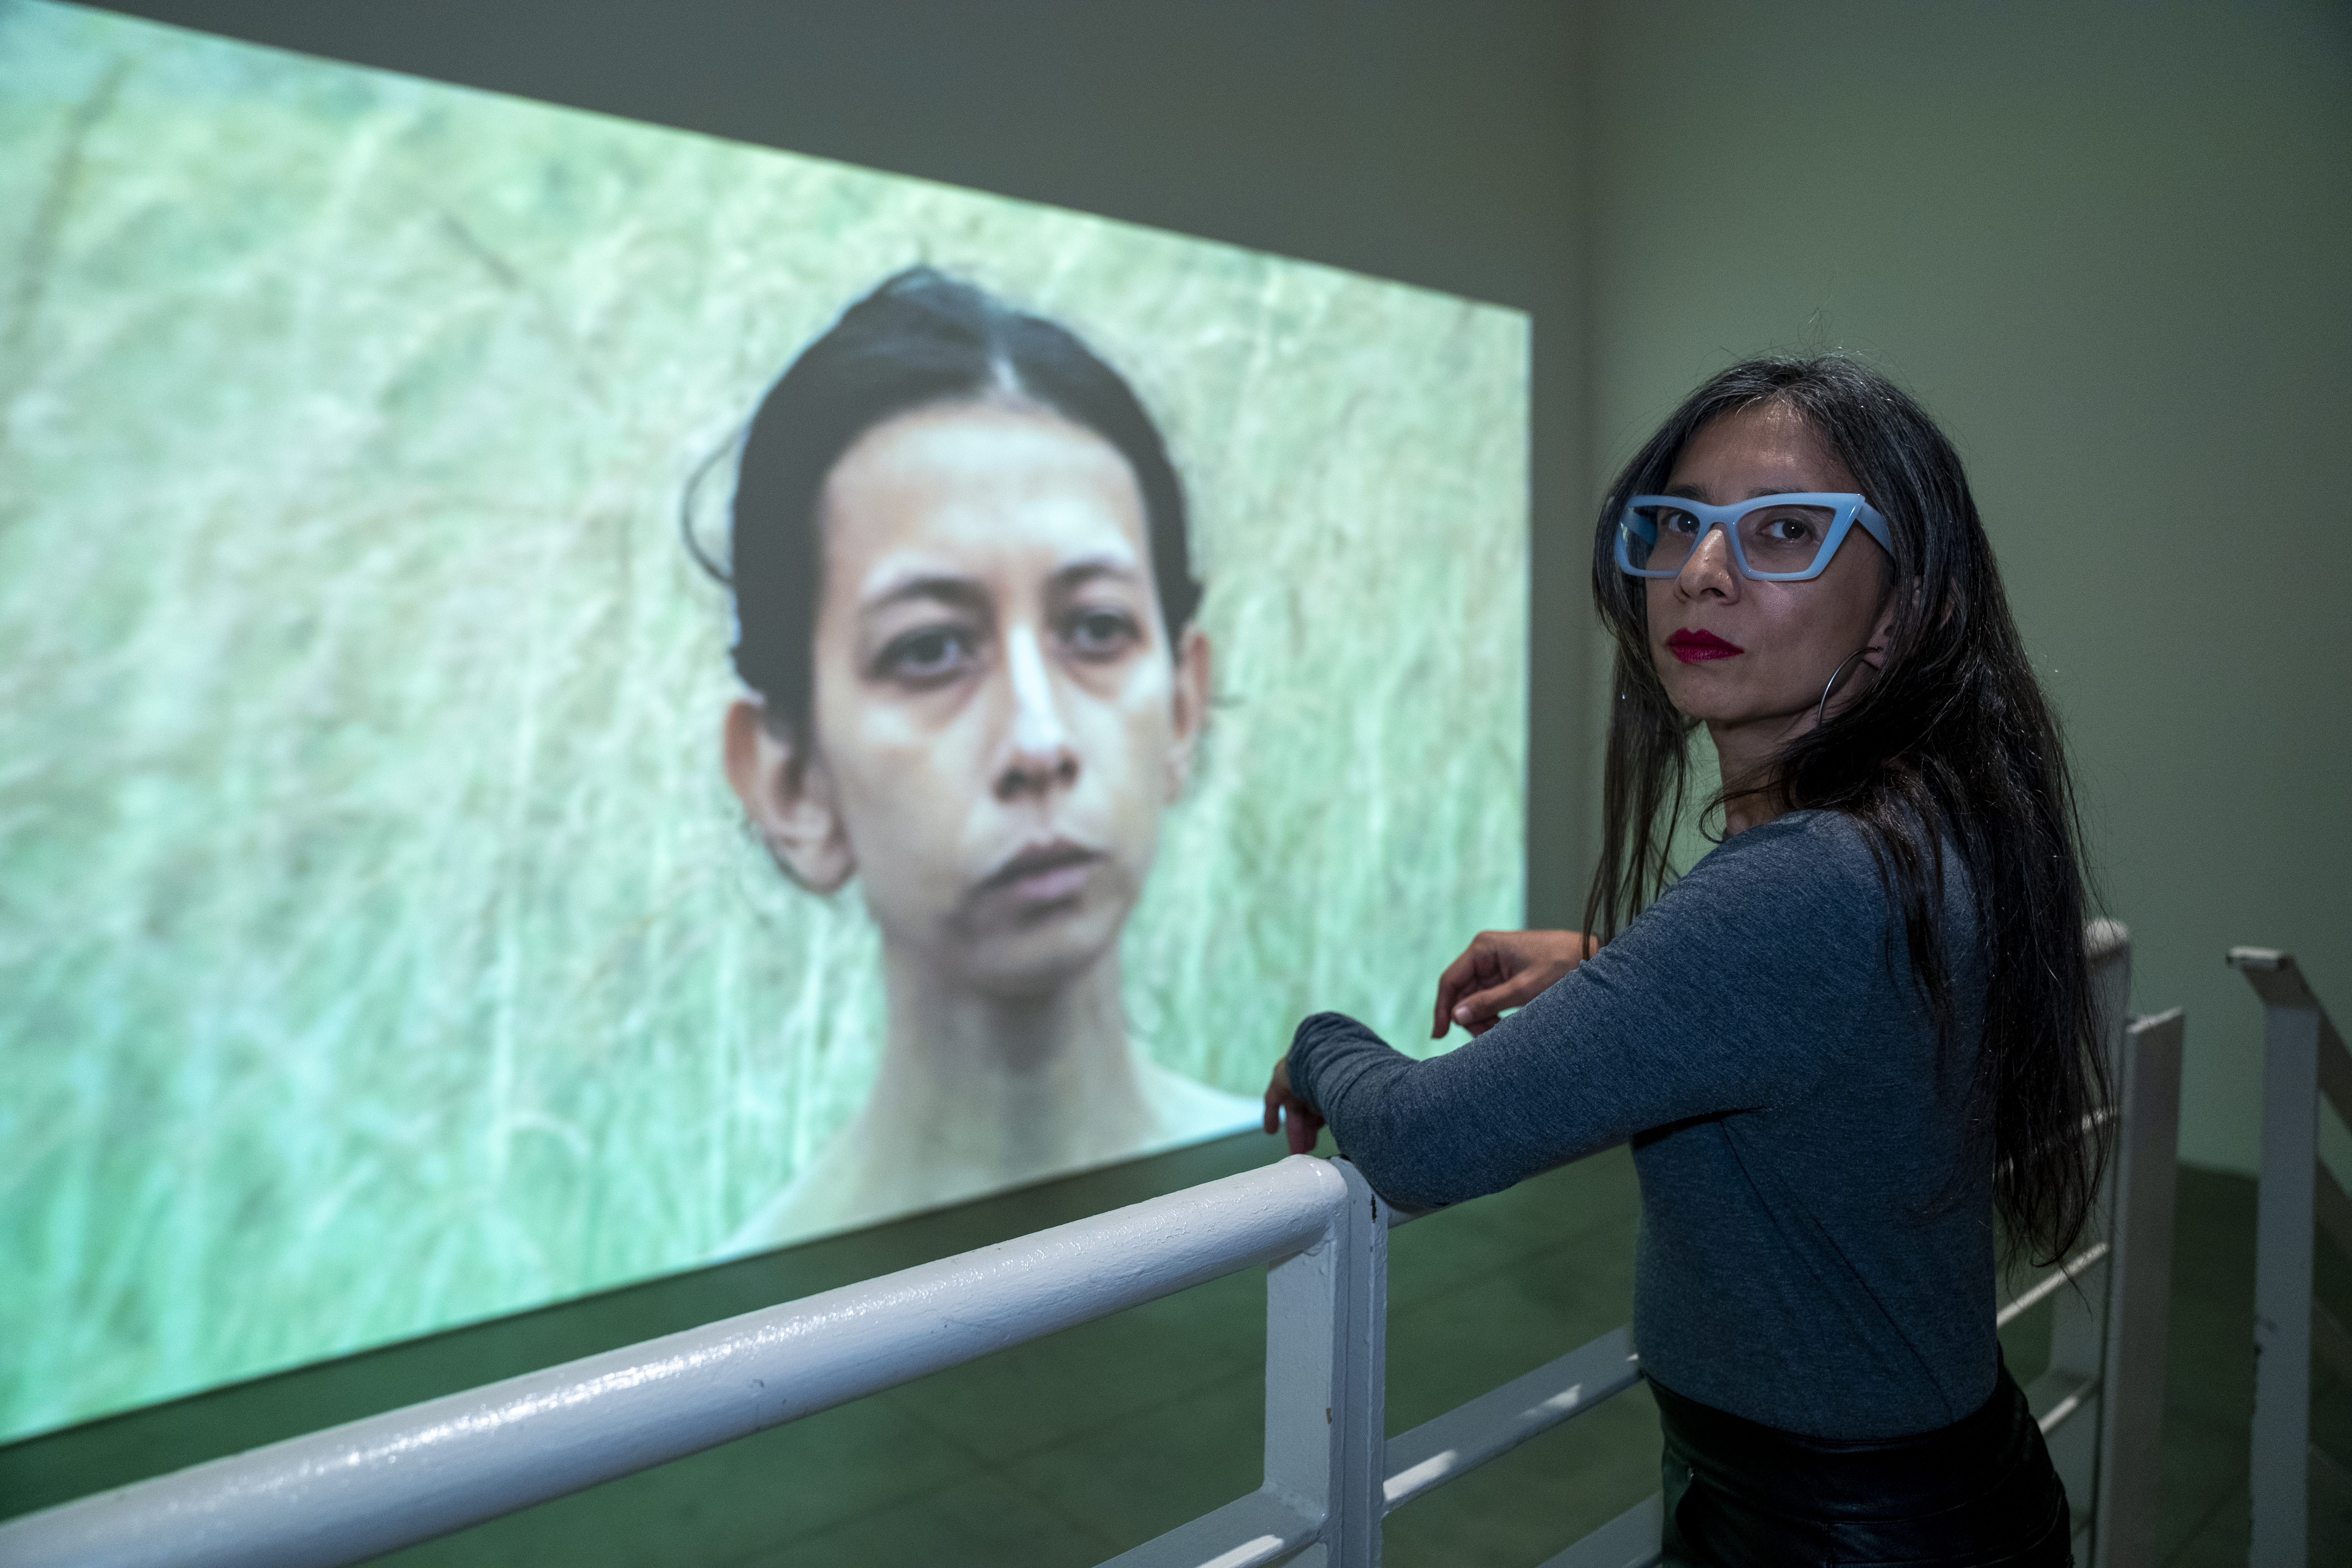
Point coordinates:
pixel 1788 529
pixel 1679 523
pixel 1100 634
pixel 934 653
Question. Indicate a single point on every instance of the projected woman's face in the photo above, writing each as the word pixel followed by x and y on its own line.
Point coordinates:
pixel 998 723
pixel 1740 653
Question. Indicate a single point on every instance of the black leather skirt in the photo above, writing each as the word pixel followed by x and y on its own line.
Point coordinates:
pixel 1979 1491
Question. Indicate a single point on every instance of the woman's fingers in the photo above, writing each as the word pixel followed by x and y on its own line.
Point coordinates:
pixel 1451 984
pixel 1491 961
pixel 1505 969
pixel 1292 1114
pixel 1482 1010
pixel 1278 1095
pixel 1303 1127
pixel 1484 963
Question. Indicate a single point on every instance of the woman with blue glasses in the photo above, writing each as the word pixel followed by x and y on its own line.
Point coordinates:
pixel 1840 1043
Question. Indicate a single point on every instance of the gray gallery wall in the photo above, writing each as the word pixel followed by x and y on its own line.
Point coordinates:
pixel 2106 242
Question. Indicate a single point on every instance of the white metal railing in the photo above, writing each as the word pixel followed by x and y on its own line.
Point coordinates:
pixel 2100 1401
pixel 370 1486
pixel 2304 1060
pixel 364 1488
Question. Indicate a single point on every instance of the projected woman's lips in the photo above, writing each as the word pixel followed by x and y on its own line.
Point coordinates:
pixel 1697 646
pixel 1042 874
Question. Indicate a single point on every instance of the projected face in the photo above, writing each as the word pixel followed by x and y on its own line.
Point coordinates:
pixel 1752 658
pixel 998 723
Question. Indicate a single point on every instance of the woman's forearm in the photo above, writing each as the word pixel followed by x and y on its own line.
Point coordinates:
pixel 1424 1138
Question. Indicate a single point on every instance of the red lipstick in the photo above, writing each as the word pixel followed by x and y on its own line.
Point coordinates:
pixel 1697 648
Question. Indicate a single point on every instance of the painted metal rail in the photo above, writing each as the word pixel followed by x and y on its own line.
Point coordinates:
pixel 2101 1401
pixel 2304 1063
pixel 369 1487
pixel 360 1490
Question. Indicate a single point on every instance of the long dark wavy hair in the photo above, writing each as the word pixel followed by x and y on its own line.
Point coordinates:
pixel 1951 745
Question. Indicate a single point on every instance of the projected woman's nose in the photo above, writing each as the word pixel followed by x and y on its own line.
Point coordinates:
pixel 1038 755
pixel 960 574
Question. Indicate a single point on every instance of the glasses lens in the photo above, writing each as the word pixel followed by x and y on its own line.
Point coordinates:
pixel 1784 538
pixel 1659 538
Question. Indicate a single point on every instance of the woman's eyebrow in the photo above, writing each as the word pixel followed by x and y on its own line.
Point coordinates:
pixel 963 593
pixel 1078 574
pixel 1698 493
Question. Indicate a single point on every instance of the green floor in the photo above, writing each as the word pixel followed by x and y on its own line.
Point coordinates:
pixel 1076 1447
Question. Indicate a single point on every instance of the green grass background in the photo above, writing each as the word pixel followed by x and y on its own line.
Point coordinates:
pixel 380 947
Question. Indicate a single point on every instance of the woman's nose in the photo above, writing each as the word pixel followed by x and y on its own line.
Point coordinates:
pixel 1710 568
pixel 1038 755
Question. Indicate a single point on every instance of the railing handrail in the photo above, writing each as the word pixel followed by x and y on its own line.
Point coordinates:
pixel 369 1486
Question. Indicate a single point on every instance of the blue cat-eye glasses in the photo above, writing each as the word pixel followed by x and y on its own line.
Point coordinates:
pixel 1774 539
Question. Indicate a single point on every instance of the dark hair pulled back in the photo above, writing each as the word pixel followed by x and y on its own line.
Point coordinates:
pixel 1951 744
pixel 919 340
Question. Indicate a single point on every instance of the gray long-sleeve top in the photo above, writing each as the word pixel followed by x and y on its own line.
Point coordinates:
pixel 1816 1247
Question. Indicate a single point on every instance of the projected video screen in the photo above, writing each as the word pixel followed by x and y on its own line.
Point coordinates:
pixel 580 700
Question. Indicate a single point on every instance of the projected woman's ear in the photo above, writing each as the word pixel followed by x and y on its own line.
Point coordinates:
pixel 787 796
pixel 965 607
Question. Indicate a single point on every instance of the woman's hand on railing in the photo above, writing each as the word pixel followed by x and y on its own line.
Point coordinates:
pixel 1286 1112
pixel 1501 970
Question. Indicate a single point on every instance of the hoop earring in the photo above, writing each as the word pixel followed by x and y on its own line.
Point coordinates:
pixel 1821 713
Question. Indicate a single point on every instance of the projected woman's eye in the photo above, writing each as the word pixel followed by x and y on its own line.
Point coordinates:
pixel 1101 635
pixel 929 655
pixel 980 715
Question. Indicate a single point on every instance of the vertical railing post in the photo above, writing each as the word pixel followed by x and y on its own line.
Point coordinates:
pixel 1326 1368
pixel 2078 1320
pixel 1363 1425
pixel 2139 1293
pixel 2283 1248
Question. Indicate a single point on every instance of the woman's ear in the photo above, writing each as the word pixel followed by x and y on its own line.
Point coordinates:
pixel 1882 630
pixel 789 797
pixel 1882 635
pixel 1191 706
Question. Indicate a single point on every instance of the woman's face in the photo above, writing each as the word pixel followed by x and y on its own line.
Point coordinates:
pixel 1784 639
pixel 998 723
